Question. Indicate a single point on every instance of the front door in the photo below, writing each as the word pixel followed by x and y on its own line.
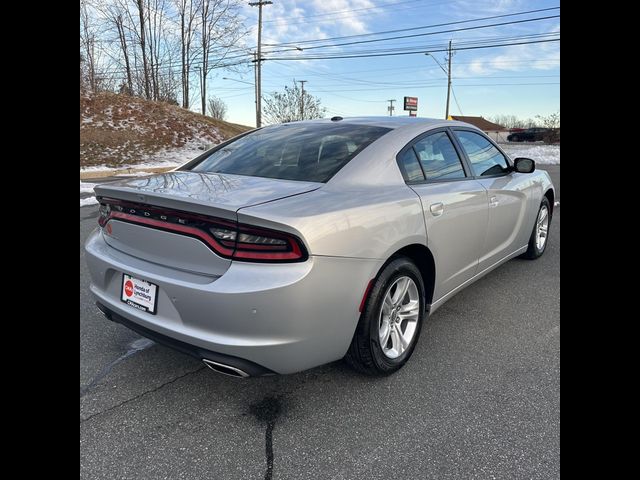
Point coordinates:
pixel 507 197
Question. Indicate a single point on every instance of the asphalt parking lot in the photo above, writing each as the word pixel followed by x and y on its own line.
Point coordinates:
pixel 479 399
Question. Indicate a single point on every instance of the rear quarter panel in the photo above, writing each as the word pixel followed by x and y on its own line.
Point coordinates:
pixel 370 222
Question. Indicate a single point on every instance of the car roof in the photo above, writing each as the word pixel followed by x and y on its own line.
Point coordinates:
pixel 386 121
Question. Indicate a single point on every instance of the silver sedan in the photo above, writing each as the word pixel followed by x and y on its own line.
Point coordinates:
pixel 299 244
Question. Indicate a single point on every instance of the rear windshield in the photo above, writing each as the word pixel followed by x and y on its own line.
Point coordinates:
pixel 306 152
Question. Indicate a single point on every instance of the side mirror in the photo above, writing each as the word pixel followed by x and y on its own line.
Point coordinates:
pixel 524 165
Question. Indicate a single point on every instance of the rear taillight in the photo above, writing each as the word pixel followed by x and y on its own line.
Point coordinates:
pixel 268 245
pixel 226 238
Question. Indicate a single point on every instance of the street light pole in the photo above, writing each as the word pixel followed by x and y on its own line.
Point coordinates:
pixel 448 72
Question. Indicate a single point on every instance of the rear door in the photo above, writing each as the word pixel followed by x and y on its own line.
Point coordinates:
pixel 454 204
pixel 507 195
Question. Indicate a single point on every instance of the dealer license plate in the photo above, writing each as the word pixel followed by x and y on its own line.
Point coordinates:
pixel 139 294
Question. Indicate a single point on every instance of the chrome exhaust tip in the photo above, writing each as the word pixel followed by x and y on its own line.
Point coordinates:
pixel 225 369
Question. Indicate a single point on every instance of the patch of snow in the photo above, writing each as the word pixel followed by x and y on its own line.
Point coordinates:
pixel 86 187
pixel 134 174
pixel 172 157
pixel 540 153
pixel 88 201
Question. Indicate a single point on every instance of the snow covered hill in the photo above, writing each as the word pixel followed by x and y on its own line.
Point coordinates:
pixel 119 131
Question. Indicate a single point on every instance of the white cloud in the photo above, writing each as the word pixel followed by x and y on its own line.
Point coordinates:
pixel 348 22
pixel 291 21
pixel 534 56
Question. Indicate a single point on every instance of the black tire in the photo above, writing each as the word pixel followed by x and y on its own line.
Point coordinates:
pixel 515 139
pixel 533 251
pixel 365 353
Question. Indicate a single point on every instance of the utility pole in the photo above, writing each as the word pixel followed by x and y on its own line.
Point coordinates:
pixel 255 87
pixel 446 115
pixel 391 108
pixel 302 82
pixel 259 61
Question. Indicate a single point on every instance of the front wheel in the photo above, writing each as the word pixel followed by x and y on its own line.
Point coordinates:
pixel 390 324
pixel 540 234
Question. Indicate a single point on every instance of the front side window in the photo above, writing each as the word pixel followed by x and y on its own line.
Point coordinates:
pixel 438 157
pixel 305 152
pixel 485 158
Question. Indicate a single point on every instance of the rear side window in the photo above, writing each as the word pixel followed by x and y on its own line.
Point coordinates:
pixel 411 167
pixel 438 157
pixel 485 158
pixel 306 152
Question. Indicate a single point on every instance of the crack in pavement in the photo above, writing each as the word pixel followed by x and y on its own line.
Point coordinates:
pixel 267 410
pixel 134 347
pixel 142 394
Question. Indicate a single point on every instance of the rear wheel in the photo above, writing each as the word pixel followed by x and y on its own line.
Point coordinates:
pixel 391 321
pixel 540 234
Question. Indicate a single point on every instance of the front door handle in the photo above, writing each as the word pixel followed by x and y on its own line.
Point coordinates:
pixel 437 209
pixel 493 201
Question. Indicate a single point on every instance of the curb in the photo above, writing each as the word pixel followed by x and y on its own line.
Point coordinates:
pixel 112 172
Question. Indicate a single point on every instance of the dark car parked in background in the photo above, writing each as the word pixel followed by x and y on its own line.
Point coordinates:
pixel 528 135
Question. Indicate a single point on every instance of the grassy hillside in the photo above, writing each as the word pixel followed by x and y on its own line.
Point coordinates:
pixel 119 130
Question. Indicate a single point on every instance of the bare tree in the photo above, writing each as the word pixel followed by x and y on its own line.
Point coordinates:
pixel 87 45
pixel 217 108
pixel 550 121
pixel 507 121
pixel 511 121
pixel 220 29
pixel 187 12
pixel 142 15
pixel 116 15
pixel 150 47
pixel 156 43
pixel 288 106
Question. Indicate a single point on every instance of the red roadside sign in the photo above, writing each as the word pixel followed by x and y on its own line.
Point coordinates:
pixel 411 103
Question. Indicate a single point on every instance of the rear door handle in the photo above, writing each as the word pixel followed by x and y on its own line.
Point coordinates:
pixel 437 209
pixel 493 201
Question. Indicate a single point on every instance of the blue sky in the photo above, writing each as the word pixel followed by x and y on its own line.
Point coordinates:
pixel 521 80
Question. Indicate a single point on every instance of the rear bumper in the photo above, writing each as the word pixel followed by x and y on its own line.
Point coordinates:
pixel 278 318
pixel 252 369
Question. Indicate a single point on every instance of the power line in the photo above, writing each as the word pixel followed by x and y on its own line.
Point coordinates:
pixel 456 100
pixel 444 85
pixel 334 57
pixel 435 25
pixel 432 46
pixel 371 53
pixel 477 27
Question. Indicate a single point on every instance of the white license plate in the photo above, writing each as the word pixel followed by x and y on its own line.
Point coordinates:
pixel 139 294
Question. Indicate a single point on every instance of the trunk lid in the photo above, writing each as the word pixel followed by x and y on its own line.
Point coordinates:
pixel 214 195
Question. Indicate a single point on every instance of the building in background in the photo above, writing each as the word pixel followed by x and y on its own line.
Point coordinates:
pixel 496 132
